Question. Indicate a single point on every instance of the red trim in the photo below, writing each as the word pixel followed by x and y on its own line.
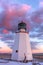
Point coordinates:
pixel 21 32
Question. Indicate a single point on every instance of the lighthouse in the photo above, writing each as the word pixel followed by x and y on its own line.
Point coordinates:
pixel 22 48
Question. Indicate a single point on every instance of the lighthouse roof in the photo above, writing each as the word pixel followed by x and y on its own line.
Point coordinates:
pixel 22 25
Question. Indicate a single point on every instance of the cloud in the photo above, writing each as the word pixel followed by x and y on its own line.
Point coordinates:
pixel 37 16
pixel 37 24
pixel 36 40
pixel 2 44
pixel 40 46
pixel 5 31
pixel 13 14
pixel 4 48
pixel 41 4
pixel 26 7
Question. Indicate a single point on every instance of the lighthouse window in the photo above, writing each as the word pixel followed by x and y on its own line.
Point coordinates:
pixel 16 51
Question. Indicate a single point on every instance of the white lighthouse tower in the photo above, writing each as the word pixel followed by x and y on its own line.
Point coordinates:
pixel 22 48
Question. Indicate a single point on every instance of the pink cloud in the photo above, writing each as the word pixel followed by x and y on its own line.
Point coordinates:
pixel 1 36
pixel 25 7
pixel 5 49
pixel 13 12
pixel 18 10
pixel 5 31
pixel 36 19
pixel 41 4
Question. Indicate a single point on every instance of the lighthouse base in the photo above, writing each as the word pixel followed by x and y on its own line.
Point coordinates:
pixel 23 61
pixel 22 48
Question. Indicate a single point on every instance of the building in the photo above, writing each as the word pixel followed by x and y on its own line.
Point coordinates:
pixel 22 47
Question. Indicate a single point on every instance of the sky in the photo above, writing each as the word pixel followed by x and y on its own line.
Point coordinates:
pixel 14 11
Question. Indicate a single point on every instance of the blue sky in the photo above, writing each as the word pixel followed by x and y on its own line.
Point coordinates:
pixel 32 14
